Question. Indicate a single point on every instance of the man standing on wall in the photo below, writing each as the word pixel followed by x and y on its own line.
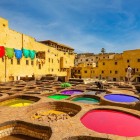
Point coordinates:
pixel 128 74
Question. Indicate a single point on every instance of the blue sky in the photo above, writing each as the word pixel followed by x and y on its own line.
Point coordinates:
pixel 85 25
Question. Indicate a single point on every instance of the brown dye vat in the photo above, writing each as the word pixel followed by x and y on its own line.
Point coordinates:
pixel 59 89
pixel 30 87
pixel 32 92
pixel 5 88
pixel 20 130
pixel 19 137
pixel 18 86
pixel 16 89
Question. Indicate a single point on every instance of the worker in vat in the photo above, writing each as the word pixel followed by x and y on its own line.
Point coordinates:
pixel 128 73
pixel 99 84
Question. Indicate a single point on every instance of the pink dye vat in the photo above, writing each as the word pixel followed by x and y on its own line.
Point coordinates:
pixel 112 122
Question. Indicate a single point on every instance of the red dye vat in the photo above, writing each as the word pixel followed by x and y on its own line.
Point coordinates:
pixel 112 122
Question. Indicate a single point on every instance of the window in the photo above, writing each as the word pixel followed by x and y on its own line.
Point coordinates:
pixel 27 62
pixel 39 66
pixel 78 71
pixel 86 59
pixel 52 69
pixel 103 63
pixel 49 59
pixel 121 78
pixel 58 69
pixel 128 61
pixel 52 60
pixel 125 69
pixel 116 63
pixel 32 63
pixel 110 71
pixel 116 72
pixel 18 61
pixel 93 71
pixel 138 60
pixel 85 71
pixel 2 59
pixel 96 57
pixel 102 71
pixel 11 61
pixel 66 62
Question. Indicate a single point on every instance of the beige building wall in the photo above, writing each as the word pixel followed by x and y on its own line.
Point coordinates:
pixel 13 39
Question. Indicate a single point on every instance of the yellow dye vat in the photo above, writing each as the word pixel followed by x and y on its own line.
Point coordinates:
pixel 16 103
pixel 43 115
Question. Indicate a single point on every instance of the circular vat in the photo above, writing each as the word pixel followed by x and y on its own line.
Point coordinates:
pixel 19 86
pixel 71 92
pixel 20 130
pixel 19 101
pixel 30 87
pixel 58 96
pixel 137 87
pixel 32 92
pixel 47 91
pixel 53 111
pixel 16 89
pixel 5 88
pixel 121 98
pixel 85 138
pixel 112 122
pixel 90 92
pixel 86 99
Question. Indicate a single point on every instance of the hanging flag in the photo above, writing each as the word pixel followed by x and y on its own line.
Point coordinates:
pixel 18 53
pixel 32 54
pixel 2 51
pixel 9 52
pixel 26 53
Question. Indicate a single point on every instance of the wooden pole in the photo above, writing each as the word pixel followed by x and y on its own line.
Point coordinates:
pixel 5 69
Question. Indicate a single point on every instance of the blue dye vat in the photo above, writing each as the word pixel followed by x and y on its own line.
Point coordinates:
pixel 121 98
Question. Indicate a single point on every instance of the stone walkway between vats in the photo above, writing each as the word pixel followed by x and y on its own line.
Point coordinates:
pixel 65 125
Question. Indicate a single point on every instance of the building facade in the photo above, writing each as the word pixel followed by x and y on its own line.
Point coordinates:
pixel 50 57
pixel 111 67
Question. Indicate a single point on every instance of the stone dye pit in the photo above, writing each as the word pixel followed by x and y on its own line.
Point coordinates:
pixel 86 100
pixel 71 92
pixel 20 130
pixel 58 96
pixel 121 98
pixel 49 116
pixel 17 103
pixel 112 122
pixel 54 111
